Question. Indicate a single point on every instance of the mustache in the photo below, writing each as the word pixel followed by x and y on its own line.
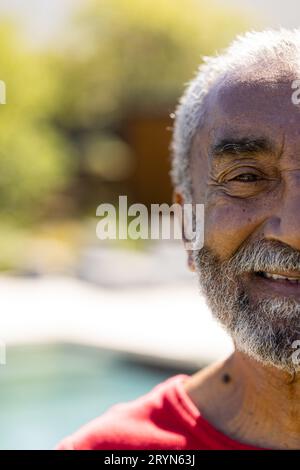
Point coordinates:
pixel 264 255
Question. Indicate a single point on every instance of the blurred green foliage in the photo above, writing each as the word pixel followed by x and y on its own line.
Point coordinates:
pixel 33 155
pixel 135 56
pixel 130 58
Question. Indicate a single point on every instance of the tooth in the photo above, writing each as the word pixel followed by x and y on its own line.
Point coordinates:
pixel 278 276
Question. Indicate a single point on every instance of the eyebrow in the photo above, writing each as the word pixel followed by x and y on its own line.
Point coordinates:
pixel 244 146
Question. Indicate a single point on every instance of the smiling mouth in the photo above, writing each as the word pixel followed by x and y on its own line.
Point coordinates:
pixel 288 277
pixel 281 284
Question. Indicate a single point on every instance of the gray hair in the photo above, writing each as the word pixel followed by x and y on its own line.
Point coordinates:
pixel 263 50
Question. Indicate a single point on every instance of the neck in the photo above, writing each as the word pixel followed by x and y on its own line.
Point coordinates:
pixel 249 402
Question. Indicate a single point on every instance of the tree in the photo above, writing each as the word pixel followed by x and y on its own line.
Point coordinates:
pixel 135 55
pixel 33 155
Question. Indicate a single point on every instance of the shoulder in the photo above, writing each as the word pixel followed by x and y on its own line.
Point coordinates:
pixel 149 422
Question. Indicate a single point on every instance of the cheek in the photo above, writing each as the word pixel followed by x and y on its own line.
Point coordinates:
pixel 229 224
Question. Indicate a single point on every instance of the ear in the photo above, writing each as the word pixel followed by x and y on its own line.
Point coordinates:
pixel 178 198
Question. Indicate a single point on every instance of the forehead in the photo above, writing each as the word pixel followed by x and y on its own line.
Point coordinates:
pixel 252 106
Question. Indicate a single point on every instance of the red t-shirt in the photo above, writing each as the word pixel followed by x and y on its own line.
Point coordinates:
pixel 165 418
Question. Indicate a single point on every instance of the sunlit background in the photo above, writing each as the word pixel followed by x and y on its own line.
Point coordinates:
pixel 91 86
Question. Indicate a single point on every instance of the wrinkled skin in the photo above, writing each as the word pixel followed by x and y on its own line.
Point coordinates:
pixel 250 196
pixel 238 210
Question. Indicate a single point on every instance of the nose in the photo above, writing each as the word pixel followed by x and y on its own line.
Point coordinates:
pixel 284 224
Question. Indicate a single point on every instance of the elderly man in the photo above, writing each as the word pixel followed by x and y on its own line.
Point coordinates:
pixel 236 149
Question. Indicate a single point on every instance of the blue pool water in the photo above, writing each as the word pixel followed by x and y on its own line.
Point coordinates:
pixel 48 391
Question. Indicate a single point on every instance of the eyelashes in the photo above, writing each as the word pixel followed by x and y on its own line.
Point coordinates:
pixel 247 178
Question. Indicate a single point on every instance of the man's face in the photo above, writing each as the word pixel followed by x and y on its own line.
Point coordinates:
pixel 246 170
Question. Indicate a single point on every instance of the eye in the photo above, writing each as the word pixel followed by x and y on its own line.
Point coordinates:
pixel 247 178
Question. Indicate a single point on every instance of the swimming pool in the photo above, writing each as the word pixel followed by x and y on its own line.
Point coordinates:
pixel 48 391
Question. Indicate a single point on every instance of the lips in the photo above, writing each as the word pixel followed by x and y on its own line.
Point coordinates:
pixel 277 277
pixel 276 284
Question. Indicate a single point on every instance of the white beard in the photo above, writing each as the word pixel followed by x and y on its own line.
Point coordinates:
pixel 266 330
